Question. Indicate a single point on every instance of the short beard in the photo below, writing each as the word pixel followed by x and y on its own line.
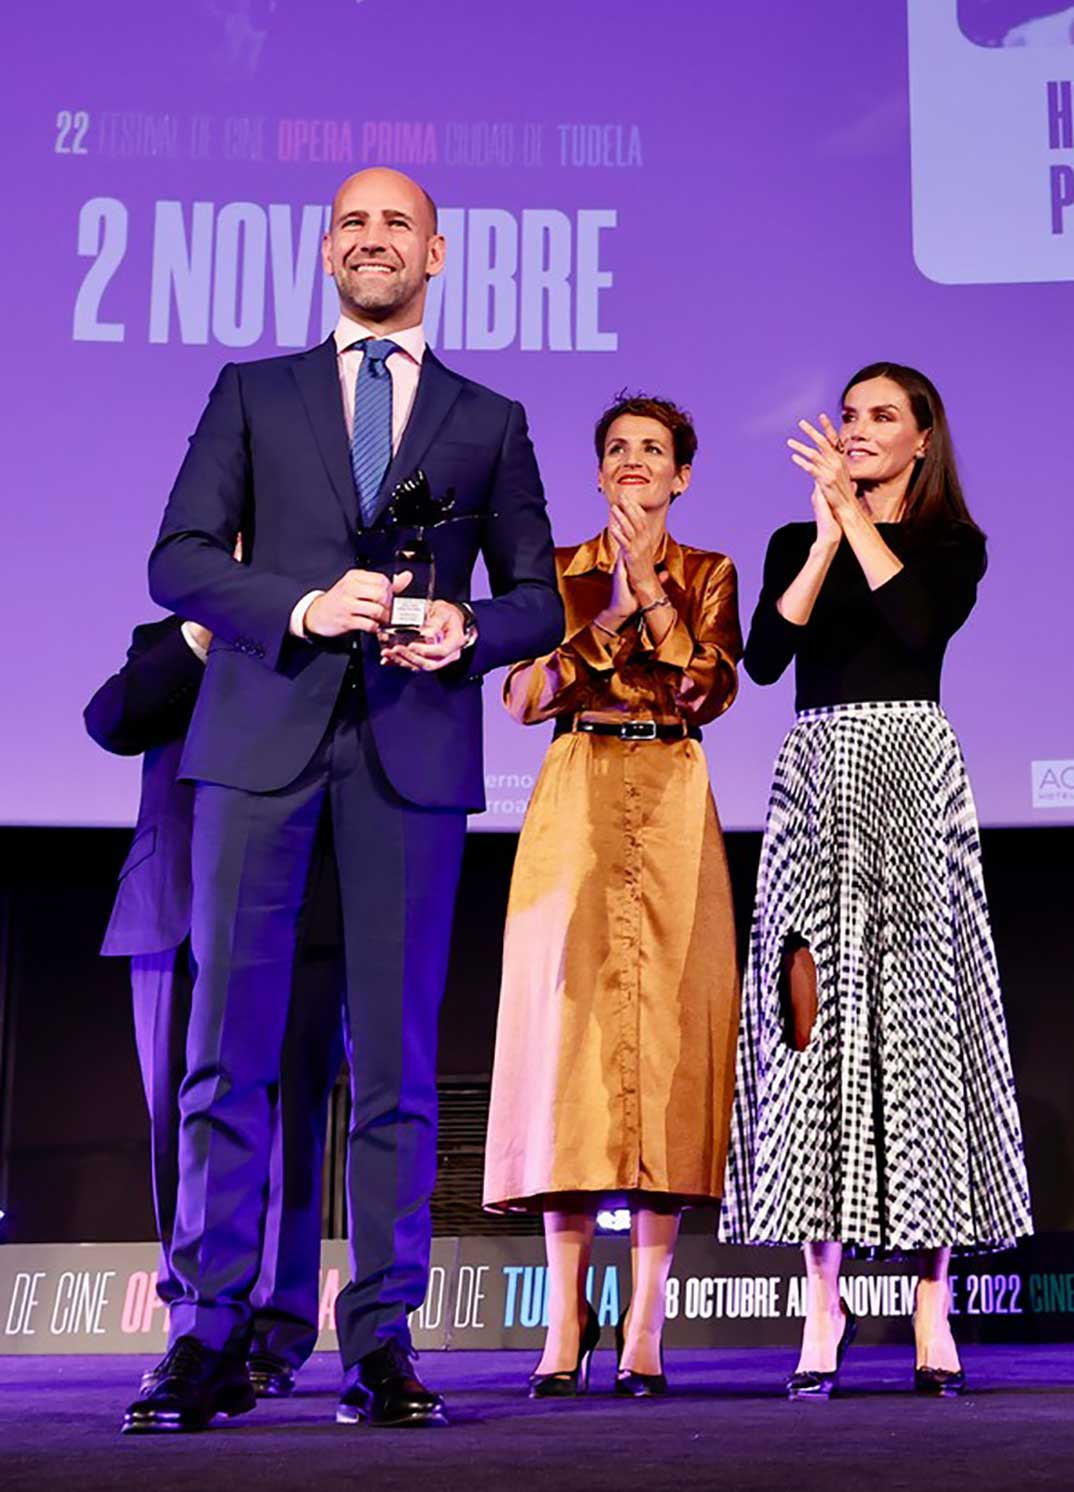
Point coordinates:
pixel 379 311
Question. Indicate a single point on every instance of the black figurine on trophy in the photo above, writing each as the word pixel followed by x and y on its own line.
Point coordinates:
pixel 411 511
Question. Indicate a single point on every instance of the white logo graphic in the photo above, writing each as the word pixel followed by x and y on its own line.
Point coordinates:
pixel 992 137
pixel 1053 784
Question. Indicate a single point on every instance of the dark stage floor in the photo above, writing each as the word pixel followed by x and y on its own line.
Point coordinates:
pixel 724 1426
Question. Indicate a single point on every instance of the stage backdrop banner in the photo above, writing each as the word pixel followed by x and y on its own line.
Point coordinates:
pixel 734 205
pixel 492 1293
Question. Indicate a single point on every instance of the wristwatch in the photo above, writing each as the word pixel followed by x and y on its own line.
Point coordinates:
pixel 470 635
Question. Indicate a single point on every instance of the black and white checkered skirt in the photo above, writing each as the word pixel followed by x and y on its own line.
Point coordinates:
pixel 896 1128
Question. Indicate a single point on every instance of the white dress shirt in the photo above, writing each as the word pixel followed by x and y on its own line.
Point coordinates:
pixel 192 643
pixel 405 369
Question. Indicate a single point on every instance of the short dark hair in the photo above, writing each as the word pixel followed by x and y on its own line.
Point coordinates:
pixel 647 407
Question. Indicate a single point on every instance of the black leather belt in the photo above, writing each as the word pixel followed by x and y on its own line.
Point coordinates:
pixel 636 730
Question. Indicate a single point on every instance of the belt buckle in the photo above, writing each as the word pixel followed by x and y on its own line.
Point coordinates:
pixel 639 730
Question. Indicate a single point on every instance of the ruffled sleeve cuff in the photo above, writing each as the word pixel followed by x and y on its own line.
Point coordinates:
pixel 675 649
pixel 587 646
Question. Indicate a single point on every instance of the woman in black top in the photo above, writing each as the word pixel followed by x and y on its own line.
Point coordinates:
pixel 875 1104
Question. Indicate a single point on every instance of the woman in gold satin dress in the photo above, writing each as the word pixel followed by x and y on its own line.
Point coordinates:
pixel 619 1005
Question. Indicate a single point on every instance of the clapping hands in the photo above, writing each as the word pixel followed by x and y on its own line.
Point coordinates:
pixel 833 495
pixel 639 583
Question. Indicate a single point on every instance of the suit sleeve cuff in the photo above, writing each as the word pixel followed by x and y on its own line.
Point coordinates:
pixel 297 624
pixel 195 647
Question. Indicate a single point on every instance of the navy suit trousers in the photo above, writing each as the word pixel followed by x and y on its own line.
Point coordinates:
pixel 285 1300
pixel 398 868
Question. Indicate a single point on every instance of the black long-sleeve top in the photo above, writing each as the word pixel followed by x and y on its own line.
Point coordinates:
pixel 860 644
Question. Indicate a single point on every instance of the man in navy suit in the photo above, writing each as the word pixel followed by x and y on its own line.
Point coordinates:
pixel 145 709
pixel 305 720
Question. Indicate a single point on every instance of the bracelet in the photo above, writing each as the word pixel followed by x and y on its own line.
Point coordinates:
pixel 654 605
pixel 602 628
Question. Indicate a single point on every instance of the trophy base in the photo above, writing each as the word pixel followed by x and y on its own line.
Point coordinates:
pixel 394 637
pixel 407 620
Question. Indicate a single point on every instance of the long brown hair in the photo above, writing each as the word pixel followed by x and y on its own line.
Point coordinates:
pixel 934 497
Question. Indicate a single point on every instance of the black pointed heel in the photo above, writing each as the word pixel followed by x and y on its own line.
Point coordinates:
pixel 937 1383
pixel 631 1385
pixel 822 1385
pixel 571 1381
pixel 940 1383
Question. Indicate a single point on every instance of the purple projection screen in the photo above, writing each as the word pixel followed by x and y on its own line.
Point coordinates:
pixel 735 205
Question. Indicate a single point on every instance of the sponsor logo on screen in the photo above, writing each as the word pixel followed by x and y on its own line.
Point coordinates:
pixel 1053 784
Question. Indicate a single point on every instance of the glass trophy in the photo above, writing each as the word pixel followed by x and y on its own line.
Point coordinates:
pixel 410 607
pixel 412 510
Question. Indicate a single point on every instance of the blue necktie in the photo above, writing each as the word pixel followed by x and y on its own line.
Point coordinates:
pixel 371 442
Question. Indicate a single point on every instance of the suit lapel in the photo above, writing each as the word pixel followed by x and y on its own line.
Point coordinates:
pixel 437 391
pixel 317 376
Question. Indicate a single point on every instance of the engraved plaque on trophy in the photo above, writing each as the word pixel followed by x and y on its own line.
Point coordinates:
pixel 410 607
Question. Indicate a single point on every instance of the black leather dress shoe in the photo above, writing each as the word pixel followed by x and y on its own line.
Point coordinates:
pixel 193 1384
pixel 270 1376
pixel 381 1390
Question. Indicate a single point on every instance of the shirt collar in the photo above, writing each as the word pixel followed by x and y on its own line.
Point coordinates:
pixel 597 554
pixel 411 339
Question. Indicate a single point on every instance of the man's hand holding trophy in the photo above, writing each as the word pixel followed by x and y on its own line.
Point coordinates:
pixel 423 633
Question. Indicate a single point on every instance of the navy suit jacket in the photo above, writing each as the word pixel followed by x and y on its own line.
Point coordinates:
pixel 146 708
pixel 270 459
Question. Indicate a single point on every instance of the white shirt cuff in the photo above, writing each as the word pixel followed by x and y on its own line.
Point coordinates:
pixel 195 647
pixel 298 616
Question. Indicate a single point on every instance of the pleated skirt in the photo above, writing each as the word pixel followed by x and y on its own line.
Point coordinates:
pixel 897 1127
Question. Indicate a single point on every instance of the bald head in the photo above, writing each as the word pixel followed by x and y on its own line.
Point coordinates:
pixel 390 184
pixel 382 248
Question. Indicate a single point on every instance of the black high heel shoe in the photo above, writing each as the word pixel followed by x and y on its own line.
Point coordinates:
pixel 631 1385
pixel 941 1383
pixel 938 1383
pixel 571 1381
pixel 809 1385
